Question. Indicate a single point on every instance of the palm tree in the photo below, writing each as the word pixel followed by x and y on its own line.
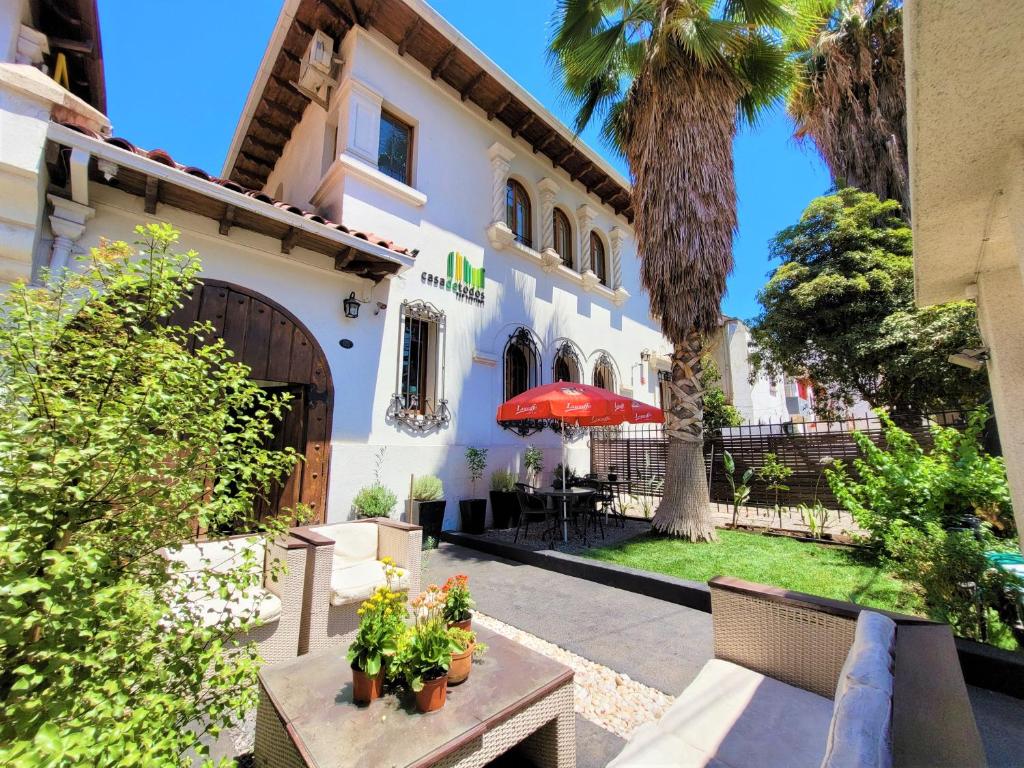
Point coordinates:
pixel 848 94
pixel 670 80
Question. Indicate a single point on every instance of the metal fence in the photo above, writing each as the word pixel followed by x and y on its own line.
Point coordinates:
pixel 637 455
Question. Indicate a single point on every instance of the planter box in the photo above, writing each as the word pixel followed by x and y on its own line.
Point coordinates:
pixel 474 514
pixel 427 514
pixel 504 509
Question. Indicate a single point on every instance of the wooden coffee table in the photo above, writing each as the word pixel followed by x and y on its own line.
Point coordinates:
pixel 514 696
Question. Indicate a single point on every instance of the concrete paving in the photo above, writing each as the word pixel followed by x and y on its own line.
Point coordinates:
pixel 660 644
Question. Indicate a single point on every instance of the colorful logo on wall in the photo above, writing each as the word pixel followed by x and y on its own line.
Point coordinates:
pixel 464 280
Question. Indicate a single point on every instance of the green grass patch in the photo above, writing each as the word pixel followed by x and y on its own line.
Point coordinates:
pixel 829 571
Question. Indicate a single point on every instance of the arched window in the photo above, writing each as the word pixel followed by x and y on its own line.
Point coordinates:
pixel 566 365
pixel 604 373
pixel 598 260
pixel 563 237
pixel 518 215
pixel 521 363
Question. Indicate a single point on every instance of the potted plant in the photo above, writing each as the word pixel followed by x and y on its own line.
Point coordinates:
pixel 381 623
pixel 474 511
pixel 374 500
pixel 570 476
pixel 458 603
pixel 462 660
pixel 504 506
pixel 426 505
pixel 533 461
pixel 426 651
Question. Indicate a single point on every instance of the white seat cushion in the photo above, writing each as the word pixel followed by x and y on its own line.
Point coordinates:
pixel 731 716
pixel 220 556
pixel 243 607
pixel 353 542
pixel 357 582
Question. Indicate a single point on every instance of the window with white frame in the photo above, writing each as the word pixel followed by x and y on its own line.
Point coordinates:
pixel 395 153
pixel 604 373
pixel 562 236
pixel 419 400
pixel 566 365
pixel 598 258
pixel 521 362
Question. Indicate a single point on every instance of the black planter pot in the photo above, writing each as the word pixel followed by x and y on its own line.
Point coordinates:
pixel 504 509
pixel 473 513
pixel 431 517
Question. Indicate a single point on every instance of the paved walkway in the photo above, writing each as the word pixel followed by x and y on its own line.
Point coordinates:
pixel 657 643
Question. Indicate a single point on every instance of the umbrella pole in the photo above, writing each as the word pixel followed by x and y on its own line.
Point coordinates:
pixel 565 499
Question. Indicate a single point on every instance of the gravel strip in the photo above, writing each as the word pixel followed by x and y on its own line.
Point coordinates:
pixel 605 697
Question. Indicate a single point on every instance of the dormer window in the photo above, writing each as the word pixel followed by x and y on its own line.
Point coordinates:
pixel 395 154
pixel 518 213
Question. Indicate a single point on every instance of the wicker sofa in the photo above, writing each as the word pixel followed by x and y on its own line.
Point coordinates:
pixel 277 605
pixel 344 569
pixel 799 680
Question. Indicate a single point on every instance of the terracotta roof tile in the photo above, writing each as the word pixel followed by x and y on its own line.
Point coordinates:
pixel 164 158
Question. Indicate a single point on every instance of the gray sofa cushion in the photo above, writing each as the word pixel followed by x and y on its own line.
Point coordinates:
pixel 732 717
pixel 860 732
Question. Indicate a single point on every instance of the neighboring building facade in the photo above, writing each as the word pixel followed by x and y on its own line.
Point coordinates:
pixel 484 249
pixel 759 399
pixel 965 92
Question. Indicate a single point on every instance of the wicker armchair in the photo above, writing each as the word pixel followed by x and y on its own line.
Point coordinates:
pixel 277 606
pixel 345 569
pixel 799 680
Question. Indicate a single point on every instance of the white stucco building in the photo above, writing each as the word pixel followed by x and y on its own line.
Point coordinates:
pixel 487 249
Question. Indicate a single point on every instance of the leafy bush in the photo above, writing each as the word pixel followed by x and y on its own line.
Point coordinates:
pixel 903 482
pixel 117 441
pixel 570 474
pixel 718 412
pixel 932 514
pixel 375 501
pixel 502 480
pixel 427 488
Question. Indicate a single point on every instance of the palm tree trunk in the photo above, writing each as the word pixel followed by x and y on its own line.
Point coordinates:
pixel 685 510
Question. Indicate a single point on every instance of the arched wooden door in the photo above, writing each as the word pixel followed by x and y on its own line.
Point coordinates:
pixel 282 355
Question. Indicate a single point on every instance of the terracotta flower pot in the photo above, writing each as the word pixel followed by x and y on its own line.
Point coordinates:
pixel 465 624
pixel 365 688
pixel 433 694
pixel 461 666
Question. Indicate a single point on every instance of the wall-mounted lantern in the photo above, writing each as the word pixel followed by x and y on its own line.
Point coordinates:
pixel 351 306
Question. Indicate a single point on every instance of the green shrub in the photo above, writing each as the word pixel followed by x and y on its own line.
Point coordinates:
pixel 915 504
pixel 116 441
pixel 476 463
pixel 427 488
pixel 503 480
pixel 533 461
pixel 375 501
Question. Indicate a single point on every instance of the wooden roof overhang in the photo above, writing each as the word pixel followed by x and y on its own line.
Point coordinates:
pixel 279 106
pixel 157 182
pixel 72 28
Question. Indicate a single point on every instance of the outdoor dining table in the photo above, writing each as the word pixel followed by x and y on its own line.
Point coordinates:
pixel 562 497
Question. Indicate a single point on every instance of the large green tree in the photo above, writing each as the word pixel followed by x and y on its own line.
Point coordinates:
pixel 840 308
pixel 116 441
pixel 670 80
pixel 848 95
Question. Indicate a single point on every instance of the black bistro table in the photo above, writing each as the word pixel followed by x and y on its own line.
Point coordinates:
pixel 562 498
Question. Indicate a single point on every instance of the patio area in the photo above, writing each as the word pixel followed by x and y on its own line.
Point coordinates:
pixel 644 642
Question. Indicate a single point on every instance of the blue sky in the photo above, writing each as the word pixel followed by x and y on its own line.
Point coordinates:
pixel 178 73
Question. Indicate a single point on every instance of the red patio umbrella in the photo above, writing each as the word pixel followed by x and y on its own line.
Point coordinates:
pixel 580 405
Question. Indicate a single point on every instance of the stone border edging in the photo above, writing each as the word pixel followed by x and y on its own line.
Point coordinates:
pixel 982 665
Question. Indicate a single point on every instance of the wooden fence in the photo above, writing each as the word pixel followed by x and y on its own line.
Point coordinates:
pixel 637 455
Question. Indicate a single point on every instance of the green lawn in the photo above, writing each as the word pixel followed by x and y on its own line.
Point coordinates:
pixel 829 571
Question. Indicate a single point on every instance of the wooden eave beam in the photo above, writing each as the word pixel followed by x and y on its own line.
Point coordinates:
pixel 288 85
pixel 544 144
pixel 294 58
pixel 560 161
pixel 500 106
pixel 273 129
pixel 408 36
pixel 525 123
pixel 265 146
pixel 227 219
pixel 371 13
pixel 152 194
pixel 440 67
pixel 473 83
pixel 256 160
pixel 355 12
pixel 344 258
pixel 289 240
pixel 75 46
pixel 338 11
